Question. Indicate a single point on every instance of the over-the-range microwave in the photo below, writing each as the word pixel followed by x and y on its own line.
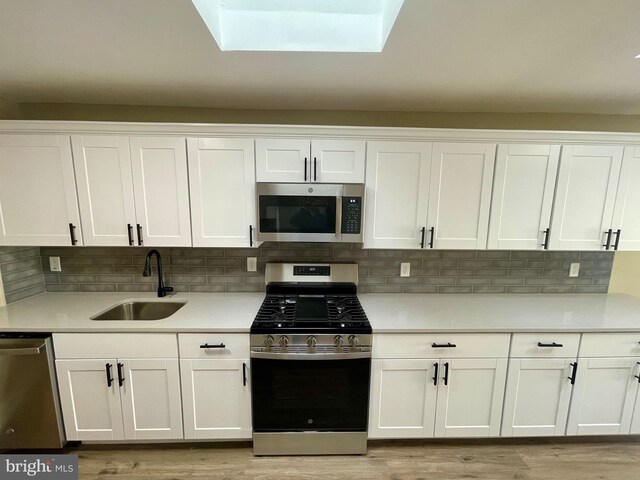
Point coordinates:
pixel 304 212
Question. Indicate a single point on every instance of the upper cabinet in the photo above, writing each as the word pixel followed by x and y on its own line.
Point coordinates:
pixel 223 191
pixel 38 203
pixel 585 197
pixel 626 214
pixel 523 187
pixel 133 191
pixel 421 195
pixel 319 161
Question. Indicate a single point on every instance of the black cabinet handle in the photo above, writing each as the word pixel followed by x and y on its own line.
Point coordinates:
pixel 206 345
pixel 120 374
pixel 617 244
pixel 545 244
pixel 72 232
pixel 435 374
pixel 424 229
pixel 139 233
pixel 607 244
pixel 443 345
pixel 109 377
pixel 130 232
pixel 574 370
pixel 433 234
pixel 251 235
pixel 315 169
pixel 244 374
pixel 305 169
pixel 552 344
pixel 446 373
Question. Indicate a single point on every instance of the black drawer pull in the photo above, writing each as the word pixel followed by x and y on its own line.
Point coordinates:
pixel 305 169
pixel 607 244
pixel 545 244
pixel 638 376
pixel 446 373
pixel 72 232
pixel 443 345
pixel 130 231
pixel 574 370
pixel 206 345
pixel 552 344
pixel 435 374
pixel 120 374
pixel 244 374
pixel 433 234
pixel 251 235
pixel 109 377
pixel 315 169
pixel 139 233
pixel 617 234
pixel 424 229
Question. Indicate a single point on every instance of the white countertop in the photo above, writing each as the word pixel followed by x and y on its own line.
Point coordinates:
pixel 388 313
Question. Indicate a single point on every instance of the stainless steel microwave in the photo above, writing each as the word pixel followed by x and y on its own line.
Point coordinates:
pixel 303 212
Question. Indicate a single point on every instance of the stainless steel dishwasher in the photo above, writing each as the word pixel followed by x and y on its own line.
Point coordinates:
pixel 29 406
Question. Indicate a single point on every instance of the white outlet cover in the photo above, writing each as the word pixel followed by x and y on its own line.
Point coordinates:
pixel 574 270
pixel 54 264
pixel 405 269
pixel 252 264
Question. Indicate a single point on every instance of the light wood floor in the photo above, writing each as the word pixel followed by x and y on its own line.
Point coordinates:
pixel 614 459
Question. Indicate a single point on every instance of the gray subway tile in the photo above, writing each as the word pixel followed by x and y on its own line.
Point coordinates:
pixel 403 280
pixel 424 254
pixel 544 263
pixel 371 280
pixel 25 293
pixel 244 288
pixel 492 272
pixel 523 289
pixel 489 289
pixel 384 272
pixel 525 272
pixel 527 255
pixel 23 284
pixel 507 280
pixel 420 289
pixel 440 263
pixel 62 288
pixel 386 253
pixel 575 281
pixel 226 262
pixel 459 254
pixel 494 254
pixel 32 262
pixel 563 255
pixel 22 274
pixel 198 252
pixel 456 272
pixel 104 287
pixel 135 287
pixel 473 281
pixel 592 289
pixel 438 280
pixel 559 289
pixel 116 278
pixel 424 272
pixel 475 264
pixel 77 278
pixel 206 288
pixel 455 289
pixel 540 281
pixel 385 288
pixel 188 279
pixel 224 280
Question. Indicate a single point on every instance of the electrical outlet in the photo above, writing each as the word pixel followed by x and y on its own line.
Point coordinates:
pixel 405 269
pixel 574 270
pixel 252 264
pixel 54 264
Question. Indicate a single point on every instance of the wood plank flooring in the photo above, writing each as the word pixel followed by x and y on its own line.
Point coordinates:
pixel 579 459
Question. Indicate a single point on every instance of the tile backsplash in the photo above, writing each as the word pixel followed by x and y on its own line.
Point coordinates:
pixel 21 272
pixel 101 269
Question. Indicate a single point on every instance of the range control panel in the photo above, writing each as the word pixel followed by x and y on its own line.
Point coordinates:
pixel 351 215
pixel 306 270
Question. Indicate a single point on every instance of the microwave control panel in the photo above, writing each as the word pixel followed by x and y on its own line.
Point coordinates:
pixel 351 215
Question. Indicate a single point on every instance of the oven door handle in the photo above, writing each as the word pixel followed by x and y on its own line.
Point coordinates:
pixel 338 216
pixel 310 356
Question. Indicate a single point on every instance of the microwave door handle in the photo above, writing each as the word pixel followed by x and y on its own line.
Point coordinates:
pixel 338 216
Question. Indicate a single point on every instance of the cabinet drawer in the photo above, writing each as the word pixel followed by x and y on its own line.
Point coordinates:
pixel 422 345
pixel 610 345
pixel 235 345
pixel 526 345
pixel 115 345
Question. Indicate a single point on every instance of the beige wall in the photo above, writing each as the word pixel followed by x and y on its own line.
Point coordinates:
pixel 8 110
pixel 625 276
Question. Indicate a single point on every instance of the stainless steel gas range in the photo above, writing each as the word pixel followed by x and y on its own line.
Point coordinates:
pixel 310 362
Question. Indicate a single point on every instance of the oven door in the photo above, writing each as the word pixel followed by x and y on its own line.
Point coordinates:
pixel 310 394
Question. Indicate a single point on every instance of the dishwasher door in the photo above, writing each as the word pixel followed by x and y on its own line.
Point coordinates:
pixel 29 405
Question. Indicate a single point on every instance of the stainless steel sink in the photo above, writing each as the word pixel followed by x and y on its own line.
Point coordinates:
pixel 140 310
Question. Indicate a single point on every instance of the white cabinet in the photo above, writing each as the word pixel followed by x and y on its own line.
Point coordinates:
pixel 397 194
pixel 302 160
pixel 38 203
pixel 222 183
pixel 215 386
pixel 133 191
pixel 626 214
pixel 585 197
pixel 523 187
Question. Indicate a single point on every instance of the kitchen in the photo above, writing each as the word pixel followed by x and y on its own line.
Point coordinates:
pixel 370 286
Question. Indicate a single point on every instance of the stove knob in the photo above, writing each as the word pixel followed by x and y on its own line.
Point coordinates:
pixel 311 341
pixel 268 341
pixel 338 341
pixel 353 340
pixel 284 341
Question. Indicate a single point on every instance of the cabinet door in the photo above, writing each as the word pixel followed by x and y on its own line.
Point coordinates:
pixel 223 191
pixel 523 186
pixel 537 397
pixel 161 188
pixel 626 214
pixel 337 161
pixel 90 406
pixel 470 403
pixel 105 189
pixel 150 392
pixel 397 194
pixel 37 191
pixel 403 398
pixel 635 422
pixel 217 398
pixel 604 396
pixel 460 194
pixel 585 195
pixel 282 160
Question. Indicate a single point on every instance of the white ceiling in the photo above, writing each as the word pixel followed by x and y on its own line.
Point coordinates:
pixel 573 56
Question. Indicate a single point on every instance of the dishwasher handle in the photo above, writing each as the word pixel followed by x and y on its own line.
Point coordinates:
pixel 21 351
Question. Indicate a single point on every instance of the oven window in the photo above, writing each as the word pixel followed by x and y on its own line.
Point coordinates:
pixel 316 395
pixel 297 214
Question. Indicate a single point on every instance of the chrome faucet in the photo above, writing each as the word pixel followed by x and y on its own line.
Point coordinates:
pixel 162 290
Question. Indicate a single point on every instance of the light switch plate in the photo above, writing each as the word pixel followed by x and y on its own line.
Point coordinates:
pixel 252 264
pixel 405 269
pixel 574 270
pixel 54 264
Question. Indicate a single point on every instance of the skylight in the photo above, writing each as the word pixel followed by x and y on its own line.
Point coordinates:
pixel 300 25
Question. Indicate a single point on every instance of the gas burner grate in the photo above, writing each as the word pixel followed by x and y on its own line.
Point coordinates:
pixel 277 309
pixel 345 308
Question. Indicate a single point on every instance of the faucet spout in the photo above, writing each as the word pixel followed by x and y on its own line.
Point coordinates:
pixel 162 289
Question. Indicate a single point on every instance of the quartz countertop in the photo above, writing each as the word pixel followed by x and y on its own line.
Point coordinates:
pixel 388 313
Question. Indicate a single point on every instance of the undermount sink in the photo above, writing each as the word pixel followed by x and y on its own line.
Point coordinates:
pixel 140 310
